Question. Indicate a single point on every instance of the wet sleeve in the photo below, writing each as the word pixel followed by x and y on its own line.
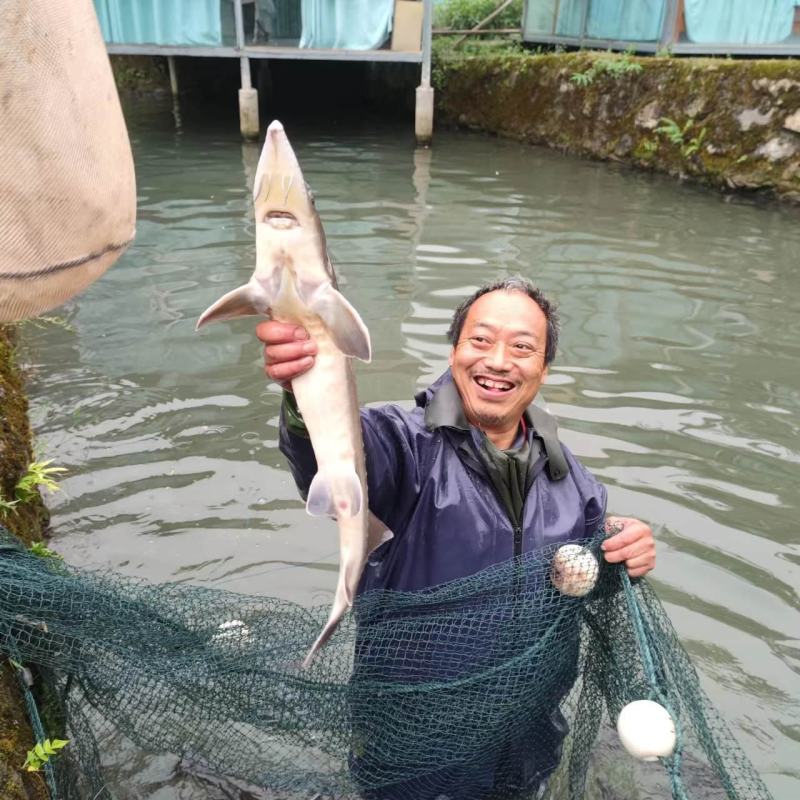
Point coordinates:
pixel 389 451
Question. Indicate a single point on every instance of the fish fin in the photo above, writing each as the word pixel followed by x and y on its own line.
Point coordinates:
pixel 340 606
pixel 241 302
pixel 335 494
pixel 347 329
pixel 377 533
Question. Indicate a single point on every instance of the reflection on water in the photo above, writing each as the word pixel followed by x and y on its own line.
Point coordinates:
pixel 676 381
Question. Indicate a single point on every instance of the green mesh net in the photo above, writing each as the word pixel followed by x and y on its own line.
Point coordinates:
pixel 494 686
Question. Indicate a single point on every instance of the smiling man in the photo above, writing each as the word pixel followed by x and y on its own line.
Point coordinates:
pixel 471 477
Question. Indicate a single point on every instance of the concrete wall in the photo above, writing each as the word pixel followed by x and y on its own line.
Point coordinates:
pixel 738 121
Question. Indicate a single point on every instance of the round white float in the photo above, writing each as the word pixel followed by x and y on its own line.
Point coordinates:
pixel 574 570
pixel 646 730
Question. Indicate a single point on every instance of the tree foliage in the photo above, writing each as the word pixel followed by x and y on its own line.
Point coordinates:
pixel 465 14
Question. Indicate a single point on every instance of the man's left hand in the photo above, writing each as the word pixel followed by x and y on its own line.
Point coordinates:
pixel 631 542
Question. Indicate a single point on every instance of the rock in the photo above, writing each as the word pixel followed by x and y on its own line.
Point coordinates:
pixel 696 107
pixel 792 172
pixel 648 116
pixel 624 146
pixel 783 85
pixel 778 148
pixel 752 116
pixel 775 87
pixel 715 150
pixel 792 122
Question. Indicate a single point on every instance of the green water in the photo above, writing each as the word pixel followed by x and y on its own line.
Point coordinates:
pixel 677 380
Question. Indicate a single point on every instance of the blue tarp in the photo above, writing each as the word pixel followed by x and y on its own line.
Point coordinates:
pixel 175 22
pixel 631 20
pixel 347 24
pixel 739 21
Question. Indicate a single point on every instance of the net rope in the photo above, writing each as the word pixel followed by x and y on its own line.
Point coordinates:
pixel 492 686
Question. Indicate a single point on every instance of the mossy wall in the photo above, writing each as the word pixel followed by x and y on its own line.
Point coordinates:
pixel 738 121
pixel 28 521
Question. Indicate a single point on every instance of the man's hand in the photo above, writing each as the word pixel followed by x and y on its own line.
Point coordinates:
pixel 288 351
pixel 631 542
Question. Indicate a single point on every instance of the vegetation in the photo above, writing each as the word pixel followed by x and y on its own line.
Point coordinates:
pixel 28 522
pixel 42 752
pixel 615 68
pixel 39 549
pixel 677 135
pixel 39 473
pixel 465 14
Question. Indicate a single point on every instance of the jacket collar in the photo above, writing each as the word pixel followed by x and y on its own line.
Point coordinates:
pixel 443 406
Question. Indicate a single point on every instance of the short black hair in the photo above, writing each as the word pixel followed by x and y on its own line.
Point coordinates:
pixel 513 284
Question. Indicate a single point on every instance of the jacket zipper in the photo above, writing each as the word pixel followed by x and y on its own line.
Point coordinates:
pixel 517 540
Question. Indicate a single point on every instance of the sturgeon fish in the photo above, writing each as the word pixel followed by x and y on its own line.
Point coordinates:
pixel 294 282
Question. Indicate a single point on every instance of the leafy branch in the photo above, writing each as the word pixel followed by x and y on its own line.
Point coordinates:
pixel 42 752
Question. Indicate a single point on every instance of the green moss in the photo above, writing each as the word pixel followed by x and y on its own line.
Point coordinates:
pixel 140 73
pixel 27 520
pixel 532 97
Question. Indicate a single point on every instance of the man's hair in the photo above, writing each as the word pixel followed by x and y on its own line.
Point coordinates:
pixel 515 284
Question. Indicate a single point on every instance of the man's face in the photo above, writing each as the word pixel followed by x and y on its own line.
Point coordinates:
pixel 498 361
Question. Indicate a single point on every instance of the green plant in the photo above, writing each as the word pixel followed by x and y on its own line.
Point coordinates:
pixel 42 752
pixel 39 549
pixel 677 135
pixel 37 474
pixel 466 14
pixel 615 68
pixel 6 505
pixel 650 146
pixel 664 52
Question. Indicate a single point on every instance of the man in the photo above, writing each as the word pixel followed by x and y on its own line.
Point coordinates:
pixel 473 476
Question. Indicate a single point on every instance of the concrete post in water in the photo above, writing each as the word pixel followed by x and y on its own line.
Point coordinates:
pixel 423 114
pixel 248 96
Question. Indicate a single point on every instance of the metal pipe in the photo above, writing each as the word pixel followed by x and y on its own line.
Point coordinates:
pixel 244 69
pixel 173 75
pixel 239 21
pixel 427 26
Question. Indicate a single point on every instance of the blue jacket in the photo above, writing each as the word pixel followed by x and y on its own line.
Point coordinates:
pixel 429 484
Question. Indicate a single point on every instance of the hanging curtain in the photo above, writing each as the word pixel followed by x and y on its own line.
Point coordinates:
pixel 346 24
pixel 739 21
pixel 630 20
pixel 175 22
pixel 570 17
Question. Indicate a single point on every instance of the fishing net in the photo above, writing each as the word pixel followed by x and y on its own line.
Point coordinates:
pixel 494 686
pixel 67 190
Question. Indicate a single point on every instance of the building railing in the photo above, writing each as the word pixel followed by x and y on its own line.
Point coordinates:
pixel 736 27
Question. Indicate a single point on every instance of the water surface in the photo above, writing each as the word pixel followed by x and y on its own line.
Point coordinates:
pixel 676 382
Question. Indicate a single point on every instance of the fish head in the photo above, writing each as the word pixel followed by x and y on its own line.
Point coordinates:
pixel 289 232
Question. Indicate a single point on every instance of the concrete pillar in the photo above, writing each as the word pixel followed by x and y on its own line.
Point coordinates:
pixel 423 115
pixel 248 103
pixel 248 114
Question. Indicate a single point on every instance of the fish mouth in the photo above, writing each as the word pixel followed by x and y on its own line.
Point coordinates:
pixel 280 219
